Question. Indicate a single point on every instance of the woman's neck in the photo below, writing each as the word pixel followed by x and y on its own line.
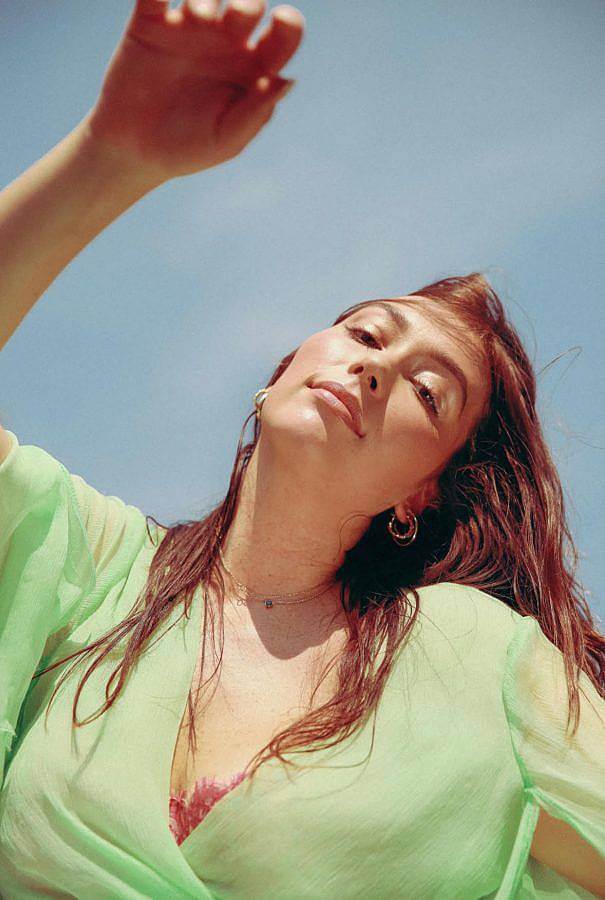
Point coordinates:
pixel 287 534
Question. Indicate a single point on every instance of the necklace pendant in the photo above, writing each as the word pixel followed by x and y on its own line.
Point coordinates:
pixel 268 603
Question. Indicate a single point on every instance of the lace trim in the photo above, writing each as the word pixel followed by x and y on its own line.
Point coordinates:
pixel 187 812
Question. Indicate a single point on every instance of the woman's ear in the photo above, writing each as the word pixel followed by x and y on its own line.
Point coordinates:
pixel 427 495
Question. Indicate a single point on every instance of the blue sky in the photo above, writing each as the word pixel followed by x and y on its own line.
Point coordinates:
pixel 423 139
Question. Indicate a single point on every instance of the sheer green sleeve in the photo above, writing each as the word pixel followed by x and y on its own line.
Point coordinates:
pixel 61 541
pixel 565 775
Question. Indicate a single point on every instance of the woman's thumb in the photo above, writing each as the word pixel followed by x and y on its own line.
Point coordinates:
pixel 247 116
pixel 281 87
pixel 268 90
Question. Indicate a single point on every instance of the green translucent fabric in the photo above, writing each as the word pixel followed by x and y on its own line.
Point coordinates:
pixel 442 803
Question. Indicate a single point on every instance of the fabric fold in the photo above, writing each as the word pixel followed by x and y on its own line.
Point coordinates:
pixel 563 774
pixel 45 569
pixel 61 543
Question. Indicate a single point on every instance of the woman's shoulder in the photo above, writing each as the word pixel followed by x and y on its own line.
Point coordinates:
pixel 465 599
pixel 473 619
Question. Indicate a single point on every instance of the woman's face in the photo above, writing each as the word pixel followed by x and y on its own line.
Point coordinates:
pixel 420 390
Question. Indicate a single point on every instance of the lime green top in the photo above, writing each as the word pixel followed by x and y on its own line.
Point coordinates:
pixel 469 740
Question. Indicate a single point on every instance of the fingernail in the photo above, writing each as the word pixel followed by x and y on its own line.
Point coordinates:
pixel 264 84
pixel 245 6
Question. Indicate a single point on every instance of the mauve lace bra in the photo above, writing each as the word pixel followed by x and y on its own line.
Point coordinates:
pixel 187 813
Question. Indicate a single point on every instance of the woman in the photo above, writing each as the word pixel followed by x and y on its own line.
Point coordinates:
pixel 391 547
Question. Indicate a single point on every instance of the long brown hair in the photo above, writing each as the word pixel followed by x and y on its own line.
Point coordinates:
pixel 498 524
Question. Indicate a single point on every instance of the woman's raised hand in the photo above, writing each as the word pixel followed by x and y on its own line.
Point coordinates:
pixel 186 89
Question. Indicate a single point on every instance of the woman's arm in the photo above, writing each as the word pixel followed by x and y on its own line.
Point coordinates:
pixel 53 210
pixel 185 90
pixel 559 846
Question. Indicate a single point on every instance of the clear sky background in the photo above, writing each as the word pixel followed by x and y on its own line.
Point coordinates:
pixel 422 140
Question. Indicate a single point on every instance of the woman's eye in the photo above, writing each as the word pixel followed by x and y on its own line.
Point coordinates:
pixel 361 333
pixel 430 401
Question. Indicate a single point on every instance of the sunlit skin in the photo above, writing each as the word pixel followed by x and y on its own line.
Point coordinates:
pixel 182 90
pixel 187 89
pixel 313 485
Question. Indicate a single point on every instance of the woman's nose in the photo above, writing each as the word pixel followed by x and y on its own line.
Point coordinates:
pixel 371 378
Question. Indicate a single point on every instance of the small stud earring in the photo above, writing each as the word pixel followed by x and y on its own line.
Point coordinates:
pixel 259 399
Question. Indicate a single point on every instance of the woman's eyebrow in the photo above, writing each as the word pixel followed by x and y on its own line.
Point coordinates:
pixel 402 324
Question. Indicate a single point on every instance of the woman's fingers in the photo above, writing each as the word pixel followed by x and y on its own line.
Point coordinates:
pixel 198 33
pixel 151 7
pixel 280 39
pixel 201 10
pixel 241 17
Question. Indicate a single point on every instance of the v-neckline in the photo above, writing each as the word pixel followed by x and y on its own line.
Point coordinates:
pixel 192 646
pixel 191 635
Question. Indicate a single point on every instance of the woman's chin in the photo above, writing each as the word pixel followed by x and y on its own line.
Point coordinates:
pixel 304 431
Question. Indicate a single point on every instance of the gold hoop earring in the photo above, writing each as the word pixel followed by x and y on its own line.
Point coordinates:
pixel 259 399
pixel 410 535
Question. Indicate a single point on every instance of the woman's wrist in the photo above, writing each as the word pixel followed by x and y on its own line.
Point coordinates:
pixel 119 170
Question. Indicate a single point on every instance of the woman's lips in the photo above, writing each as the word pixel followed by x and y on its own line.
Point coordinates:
pixel 338 406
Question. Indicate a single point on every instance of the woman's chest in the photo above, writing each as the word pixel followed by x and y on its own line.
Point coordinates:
pixel 258 690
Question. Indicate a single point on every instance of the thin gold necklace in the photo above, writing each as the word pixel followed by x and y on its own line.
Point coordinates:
pixel 244 594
